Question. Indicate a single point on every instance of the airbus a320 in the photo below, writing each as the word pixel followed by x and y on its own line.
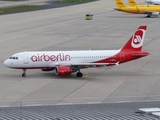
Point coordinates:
pixel 67 62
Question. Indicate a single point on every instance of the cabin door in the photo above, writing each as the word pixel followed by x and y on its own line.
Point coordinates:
pixel 25 58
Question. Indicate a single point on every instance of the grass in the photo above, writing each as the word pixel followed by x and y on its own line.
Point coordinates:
pixel 25 8
pixel 12 0
pixel 72 1
pixel 17 9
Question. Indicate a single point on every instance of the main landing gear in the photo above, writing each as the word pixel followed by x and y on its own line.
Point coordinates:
pixel 79 74
pixel 24 73
pixel 148 15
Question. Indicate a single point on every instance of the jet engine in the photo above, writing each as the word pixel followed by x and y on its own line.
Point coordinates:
pixel 155 13
pixel 47 69
pixel 63 70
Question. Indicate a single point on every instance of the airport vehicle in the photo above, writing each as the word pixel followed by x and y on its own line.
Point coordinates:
pixel 152 10
pixel 89 16
pixel 67 62
pixel 155 2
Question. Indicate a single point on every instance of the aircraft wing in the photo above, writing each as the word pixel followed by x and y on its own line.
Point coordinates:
pixel 148 11
pixel 81 64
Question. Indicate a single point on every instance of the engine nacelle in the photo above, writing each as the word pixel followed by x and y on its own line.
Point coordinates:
pixel 155 13
pixel 156 3
pixel 47 69
pixel 63 70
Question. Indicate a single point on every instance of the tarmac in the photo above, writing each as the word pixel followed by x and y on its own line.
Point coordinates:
pixel 105 111
pixel 65 28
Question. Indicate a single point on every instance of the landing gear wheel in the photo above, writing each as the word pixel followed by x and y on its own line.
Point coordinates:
pixel 148 16
pixel 79 74
pixel 24 75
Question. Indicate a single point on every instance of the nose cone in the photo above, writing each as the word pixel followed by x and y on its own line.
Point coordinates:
pixel 6 63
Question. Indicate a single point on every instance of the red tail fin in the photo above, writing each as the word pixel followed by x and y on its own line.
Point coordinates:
pixel 136 41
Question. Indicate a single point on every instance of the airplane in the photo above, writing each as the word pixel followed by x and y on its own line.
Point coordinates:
pixel 67 62
pixel 155 2
pixel 134 3
pixel 150 10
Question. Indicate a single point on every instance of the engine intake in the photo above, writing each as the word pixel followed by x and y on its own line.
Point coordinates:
pixel 155 13
pixel 63 70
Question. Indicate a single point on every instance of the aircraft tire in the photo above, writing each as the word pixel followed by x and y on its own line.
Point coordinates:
pixel 23 75
pixel 79 74
pixel 148 16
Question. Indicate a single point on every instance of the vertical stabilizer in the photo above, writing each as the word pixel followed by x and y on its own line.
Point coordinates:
pixel 132 3
pixel 120 4
pixel 136 41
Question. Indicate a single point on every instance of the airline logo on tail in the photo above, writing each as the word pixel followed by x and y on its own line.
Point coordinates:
pixel 137 38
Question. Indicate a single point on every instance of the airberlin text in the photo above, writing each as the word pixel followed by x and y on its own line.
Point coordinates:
pixel 52 57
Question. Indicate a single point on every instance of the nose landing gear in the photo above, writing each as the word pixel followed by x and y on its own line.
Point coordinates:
pixel 24 73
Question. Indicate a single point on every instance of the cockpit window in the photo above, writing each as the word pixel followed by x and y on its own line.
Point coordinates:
pixel 14 58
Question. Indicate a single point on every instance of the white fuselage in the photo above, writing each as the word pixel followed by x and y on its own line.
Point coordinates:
pixel 52 58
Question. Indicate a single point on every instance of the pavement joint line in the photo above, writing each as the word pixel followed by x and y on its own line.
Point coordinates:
pixel 148 72
pixel 49 27
pixel 122 101
pixel 151 100
pixel 63 103
pixel 4 106
pixel 33 105
pixel 94 102
pixel 36 31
